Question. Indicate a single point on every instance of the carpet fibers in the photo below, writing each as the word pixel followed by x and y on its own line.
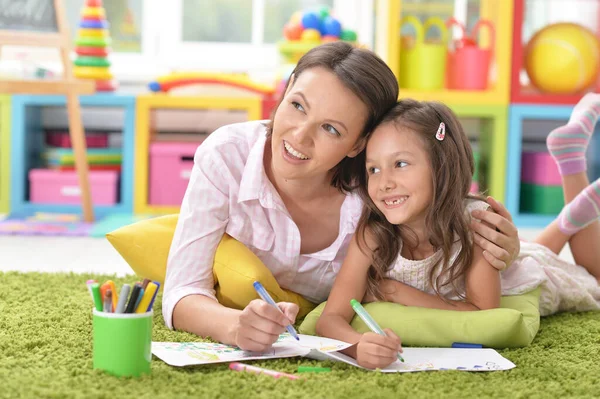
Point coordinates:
pixel 46 347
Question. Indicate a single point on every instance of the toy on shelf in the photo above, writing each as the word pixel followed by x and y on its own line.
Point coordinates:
pixel 553 71
pixel 423 62
pixel 171 81
pixel 563 58
pixel 468 63
pixel 92 47
pixel 178 79
pixel 308 29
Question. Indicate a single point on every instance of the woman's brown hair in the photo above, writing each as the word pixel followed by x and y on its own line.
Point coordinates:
pixel 367 76
pixel 452 166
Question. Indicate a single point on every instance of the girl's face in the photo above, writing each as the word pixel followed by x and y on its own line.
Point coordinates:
pixel 399 175
pixel 318 123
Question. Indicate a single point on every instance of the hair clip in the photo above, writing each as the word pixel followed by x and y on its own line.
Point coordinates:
pixel 441 132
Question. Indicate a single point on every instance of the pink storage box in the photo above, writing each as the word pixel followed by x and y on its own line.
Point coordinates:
pixel 60 138
pixel 170 169
pixel 62 187
pixel 539 168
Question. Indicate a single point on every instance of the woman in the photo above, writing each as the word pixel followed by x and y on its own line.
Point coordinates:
pixel 283 190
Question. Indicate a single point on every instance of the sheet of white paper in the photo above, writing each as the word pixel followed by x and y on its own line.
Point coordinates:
pixel 430 359
pixel 195 353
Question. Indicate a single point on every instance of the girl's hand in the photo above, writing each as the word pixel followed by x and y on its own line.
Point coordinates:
pixel 260 324
pixel 496 234
pixel 377 351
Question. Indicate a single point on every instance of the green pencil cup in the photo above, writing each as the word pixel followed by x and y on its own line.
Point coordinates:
pixel 122 343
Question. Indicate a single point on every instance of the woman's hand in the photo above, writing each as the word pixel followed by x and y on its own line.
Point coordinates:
pixel 260 324
pixel 496 234
pixel 377 351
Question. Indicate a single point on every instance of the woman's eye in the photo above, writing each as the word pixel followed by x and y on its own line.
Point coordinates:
pixel 331 129
pixel 401 164
pixel 297 106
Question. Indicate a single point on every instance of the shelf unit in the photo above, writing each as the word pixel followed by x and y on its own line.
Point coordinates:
pixel 146 104
pixel 4 153
pixel 26 129
pixel 518 114
pixel 493 143
pixel 500 13
pixel 529 95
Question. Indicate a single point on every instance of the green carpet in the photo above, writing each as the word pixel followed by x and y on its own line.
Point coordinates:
pixel 46 346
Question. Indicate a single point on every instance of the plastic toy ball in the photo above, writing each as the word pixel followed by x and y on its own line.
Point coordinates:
pixel 563 58
pixel 348 35
pixel 329 39
pixel 331 27
pixel 292 31
pixel 311 20
pixel 310 35
pixel 323 12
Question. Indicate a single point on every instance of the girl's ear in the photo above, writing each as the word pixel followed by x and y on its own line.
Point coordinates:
pixel 358 147
pixel 290 84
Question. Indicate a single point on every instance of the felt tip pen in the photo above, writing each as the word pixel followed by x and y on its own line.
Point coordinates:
pixel 130 308
pixel 153 296
pixel 147 298
pixel 115 295
pixel 89 286
pixel 366 317
pixel 123 298
pixel 267 298
pixel 258 370
pixel 108 301
pixel 95 287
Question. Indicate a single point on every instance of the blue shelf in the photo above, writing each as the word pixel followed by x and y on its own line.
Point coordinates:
pixel 517 114
pixel 26 117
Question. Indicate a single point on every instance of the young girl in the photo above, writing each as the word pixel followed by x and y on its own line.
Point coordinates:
pixel 414 243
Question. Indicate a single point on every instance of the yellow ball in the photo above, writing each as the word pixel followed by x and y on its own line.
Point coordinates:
pixel 563 58
pixel 310 35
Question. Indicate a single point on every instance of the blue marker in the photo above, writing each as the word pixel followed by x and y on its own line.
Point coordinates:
pixel 466 345
pixel 267 298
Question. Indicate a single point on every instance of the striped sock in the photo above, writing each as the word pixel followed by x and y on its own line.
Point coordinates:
pixel 582 211
pixel 567 144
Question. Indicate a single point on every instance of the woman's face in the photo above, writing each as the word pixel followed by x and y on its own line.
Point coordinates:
pixel 317 124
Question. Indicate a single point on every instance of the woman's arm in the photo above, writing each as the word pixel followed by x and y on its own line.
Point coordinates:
pixel 496 234
pixel 189 301
pixel 482 283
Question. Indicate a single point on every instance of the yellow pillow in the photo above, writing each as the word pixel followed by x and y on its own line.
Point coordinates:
pixel 145 246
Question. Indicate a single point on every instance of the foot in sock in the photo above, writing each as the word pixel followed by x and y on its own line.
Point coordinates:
pixel 582 211
pixel 567 144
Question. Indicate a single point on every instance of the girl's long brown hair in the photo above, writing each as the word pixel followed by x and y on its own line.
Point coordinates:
pixel 452 166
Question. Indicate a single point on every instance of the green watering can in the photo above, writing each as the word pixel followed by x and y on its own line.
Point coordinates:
pixel 423 63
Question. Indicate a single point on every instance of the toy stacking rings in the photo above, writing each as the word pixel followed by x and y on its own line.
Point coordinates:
pixel 86 61
pixel 86 72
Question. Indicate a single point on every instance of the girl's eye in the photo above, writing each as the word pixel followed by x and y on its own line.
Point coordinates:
pixel 331 129
pixel 372 170
pixel 401 164
pixel 297 106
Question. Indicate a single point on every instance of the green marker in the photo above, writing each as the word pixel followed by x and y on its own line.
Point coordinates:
pixel 372 324
pixel 309 369
pixel 95 287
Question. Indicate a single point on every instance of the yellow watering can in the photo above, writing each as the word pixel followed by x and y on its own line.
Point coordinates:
pixel 423 63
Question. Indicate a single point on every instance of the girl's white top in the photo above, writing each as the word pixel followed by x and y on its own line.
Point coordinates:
pixel 564 286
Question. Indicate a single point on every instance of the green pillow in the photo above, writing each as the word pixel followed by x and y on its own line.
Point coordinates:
pixel 513 325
